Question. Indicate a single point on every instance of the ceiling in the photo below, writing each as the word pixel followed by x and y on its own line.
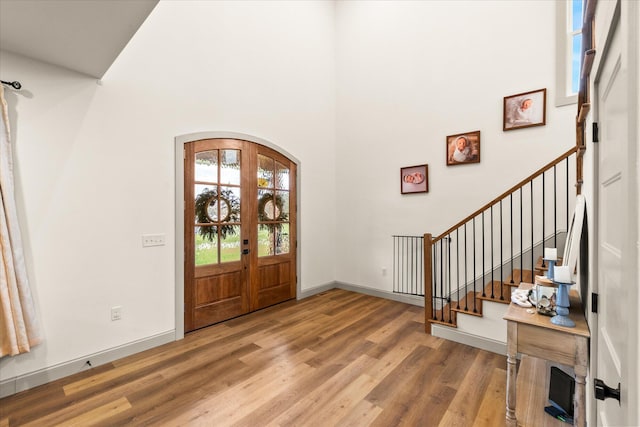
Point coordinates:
pixel 84 36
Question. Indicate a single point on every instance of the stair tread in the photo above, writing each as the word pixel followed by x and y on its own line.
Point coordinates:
pixel 467 306
pixel 496 296
pixel 439 322
pixel 445 316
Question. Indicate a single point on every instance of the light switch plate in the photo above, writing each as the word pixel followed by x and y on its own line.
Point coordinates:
pixel 153 240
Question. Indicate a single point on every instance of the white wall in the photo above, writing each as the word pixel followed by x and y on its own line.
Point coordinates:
pixel 94 161
pixel 354 98
pixel 411 73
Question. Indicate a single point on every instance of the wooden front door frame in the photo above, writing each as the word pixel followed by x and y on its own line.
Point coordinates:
pixel 180 142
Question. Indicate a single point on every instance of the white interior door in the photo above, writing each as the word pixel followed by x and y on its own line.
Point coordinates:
pixel 616 338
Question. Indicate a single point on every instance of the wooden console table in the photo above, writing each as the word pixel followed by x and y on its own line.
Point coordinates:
pixel 534 335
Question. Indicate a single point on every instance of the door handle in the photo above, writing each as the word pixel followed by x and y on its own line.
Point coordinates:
pixel 245 251
pixel 604 392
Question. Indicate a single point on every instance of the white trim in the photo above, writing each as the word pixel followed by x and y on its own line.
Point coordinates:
pixel 316 290
pixel 179 239
pixel 33 379
pixel 483 343
pixel 180 141
pixel 407 299
pixel 631 274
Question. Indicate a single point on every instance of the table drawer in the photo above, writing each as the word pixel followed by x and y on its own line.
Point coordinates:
pixel 547 344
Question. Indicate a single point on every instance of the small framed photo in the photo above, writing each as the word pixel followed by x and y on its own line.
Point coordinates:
pixel 525 110
pixel 463 148
pixel 414 179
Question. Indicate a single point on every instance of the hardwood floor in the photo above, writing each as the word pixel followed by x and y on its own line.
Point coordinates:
pixel 335 359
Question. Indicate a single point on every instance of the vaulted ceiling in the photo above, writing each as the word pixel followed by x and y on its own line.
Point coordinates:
pixel 84 36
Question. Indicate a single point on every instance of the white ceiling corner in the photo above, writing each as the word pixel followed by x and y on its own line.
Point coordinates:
pixel 81 35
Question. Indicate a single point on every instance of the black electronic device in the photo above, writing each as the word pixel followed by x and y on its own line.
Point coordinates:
pixel 561 391
pixel 558 414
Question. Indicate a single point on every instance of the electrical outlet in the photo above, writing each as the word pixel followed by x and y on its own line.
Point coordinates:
pixel 116 313
pixel 153 240
pixel 384 271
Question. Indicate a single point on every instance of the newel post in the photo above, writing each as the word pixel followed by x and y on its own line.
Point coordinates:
pixel 428 282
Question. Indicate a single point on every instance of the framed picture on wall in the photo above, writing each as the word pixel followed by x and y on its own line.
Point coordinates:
pixel 414 179
pixel 525 110
pixel 463 148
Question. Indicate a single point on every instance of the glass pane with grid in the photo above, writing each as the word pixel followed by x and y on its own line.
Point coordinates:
pixel 217 208
pixel 230 167
pixel 206 166
pixel 206 245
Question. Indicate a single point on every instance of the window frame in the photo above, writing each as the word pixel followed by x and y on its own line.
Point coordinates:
pixel 564 48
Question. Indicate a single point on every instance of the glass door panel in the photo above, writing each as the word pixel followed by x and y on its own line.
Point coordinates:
pixel 282 239
pixel 282 203
pixel 273 207
pixel 230 244
pixel 217 207
pixel 230 167
pixel 282 176
pixel 206 245
pixel 265 171
pixel 206 166
pixel 265 240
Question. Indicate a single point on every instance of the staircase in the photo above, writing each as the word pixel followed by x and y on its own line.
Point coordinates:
pixel 495 291
pixel 491 251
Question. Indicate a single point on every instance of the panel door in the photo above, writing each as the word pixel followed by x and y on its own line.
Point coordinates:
pixel 216 230
pixel 274 261
pixel 240 230
pixel 615 338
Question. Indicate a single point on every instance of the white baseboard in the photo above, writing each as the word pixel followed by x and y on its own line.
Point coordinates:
pixel 316 290
pixel 33 379
pixel 483 343
pixel 407 299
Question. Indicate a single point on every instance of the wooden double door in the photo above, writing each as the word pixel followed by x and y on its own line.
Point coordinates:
pixel 240 229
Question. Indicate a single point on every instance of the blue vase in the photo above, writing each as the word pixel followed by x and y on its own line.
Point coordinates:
pixel 562 306
pixel 552 264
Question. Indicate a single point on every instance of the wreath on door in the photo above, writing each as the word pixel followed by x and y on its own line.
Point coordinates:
pixel 211 209
pixel 270 209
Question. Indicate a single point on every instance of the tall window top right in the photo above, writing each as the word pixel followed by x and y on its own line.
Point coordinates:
pixel 568 50
pixel 576 42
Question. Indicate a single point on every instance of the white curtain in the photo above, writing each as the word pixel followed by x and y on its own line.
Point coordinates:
pixel 19 329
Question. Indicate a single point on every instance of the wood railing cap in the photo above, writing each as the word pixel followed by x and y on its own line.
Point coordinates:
pixel 508 192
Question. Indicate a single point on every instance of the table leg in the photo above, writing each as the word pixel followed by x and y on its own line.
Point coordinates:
pixel 578 402
pixel 512 332
pixel 579 396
